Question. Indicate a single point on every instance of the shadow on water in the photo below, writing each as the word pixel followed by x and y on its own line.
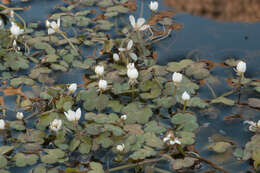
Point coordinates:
pixel 215 35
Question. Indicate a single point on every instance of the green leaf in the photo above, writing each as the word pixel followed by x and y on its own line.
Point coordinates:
pixel 53 156
pixel 223 100
pixel 220 147
pixel 143 153
pixel 96 167
pixel 136 112
pixel 178 66
pixel 154 127
pixel 15 82
pixel 5 149
pixel 185 122
pixel 40 169
pixel 75 142
pixel 153 141
pixel 17 125
pixel 3 162
pixel 22 160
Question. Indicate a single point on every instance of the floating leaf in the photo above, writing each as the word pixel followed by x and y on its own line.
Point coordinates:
pixel 96 167
pixel 223 100
pixel 22 160
pixel 220 147
pixel 185 122
pixel 143 153
pixel 182 163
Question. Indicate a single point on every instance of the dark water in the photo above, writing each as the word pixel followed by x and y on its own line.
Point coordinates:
pixel 202 38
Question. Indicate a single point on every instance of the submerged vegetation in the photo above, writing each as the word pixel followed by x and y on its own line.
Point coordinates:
pixel 128 112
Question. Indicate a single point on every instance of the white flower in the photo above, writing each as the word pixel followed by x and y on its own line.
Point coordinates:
pixel 19 115
pixel 116 57
pixel 185 96
pixel 132 73
pixel 73 116
pixel 55 125
pixel 241 67
pixel 129 46
pixel 123 117
pixel 175 141
pixel 73 87
pixel 102 85
pixel 130 66
pixel 165 139
pixel 120 148
pixel 99 70
pixel 253 125
pixel 2 124
pixel 15 30
pixel 52 26
pixel 176 78
pixel 153 5
pixel 139 25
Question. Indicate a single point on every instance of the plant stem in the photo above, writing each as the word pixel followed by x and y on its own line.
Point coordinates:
pixel 184 107
pixel 132 89
pixel 239 88
pixel 174 91
pixel 70 43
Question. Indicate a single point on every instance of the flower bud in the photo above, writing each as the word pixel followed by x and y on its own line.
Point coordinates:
pixel 120 148
pixel 241 67
pixel 55 125
pixel 176 77
pixel 19 115
pixel 123 117
pixel 73 87
pixel 153 5
pixel 102 84
pixel 185 96
pixel 116 57
pixel 2 124
pixel 99 70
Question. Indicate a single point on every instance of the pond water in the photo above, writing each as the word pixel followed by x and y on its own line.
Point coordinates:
pixel 202 37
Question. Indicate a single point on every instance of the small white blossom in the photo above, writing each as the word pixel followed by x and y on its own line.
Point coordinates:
pixel 15 30
pixel 128 47
pixel 254 126
pixel 132 72
pixel 185 96
pixel 2 124
pixel 55 125
pixel 120 147
pixel 176 78
pixel 123 117
pixel 73 87
pixel 116 57
pixel 153 5
pixel 72 115
pixel 19 115
pixel 52 26
pixel 175 141
pixel 241 67
pixel 102 84
pixel 139 25
pixel 99 70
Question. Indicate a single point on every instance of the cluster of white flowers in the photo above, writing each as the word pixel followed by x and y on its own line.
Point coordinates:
pixel 120 147
pixel 72 115
pixel 2 124
pixel 55 125
pixel 19 115
pixel 171 140
pixel 53 26
pixel 241 68
pixel 72 87
pixel 254 126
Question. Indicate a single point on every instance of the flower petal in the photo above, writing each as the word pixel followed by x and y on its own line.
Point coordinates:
pixel 140 22
pixel 144 27
pixel 130 44
pixel 133 56
pixel 78 114
pixel 132 20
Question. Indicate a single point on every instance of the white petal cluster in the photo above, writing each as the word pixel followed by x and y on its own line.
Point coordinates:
pixel 72 87
pixel 128 47
pixel 19 115
pixel 123 117
pixel 53 26
pixel 99 70
pixel 116 57
pixel 120 147
pixel 132 72
pixel 139 25
pixel 254 126
pixel 241 67
pixel 102 85
pixel 16 30
pixel 55 125
pixel 153 5
pixel 176 78
pixel 2 124
pixel 185 96
pixel 72 115
pixel 169 139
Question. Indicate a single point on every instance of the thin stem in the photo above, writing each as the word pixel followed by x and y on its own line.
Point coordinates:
pixel 239 88
pixel 174 90
pixel 132 89
pixel 184 107
pixel 70 43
